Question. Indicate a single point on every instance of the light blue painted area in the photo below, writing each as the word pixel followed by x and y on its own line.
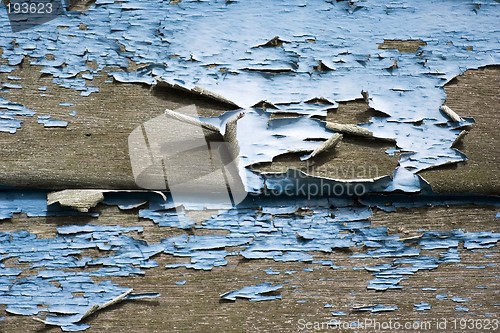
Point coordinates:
pixel 50 292
pixel 422 306
pixel 237 52
pixel 66 104
pixel 265 232
pixel 256 293
pixel 47 122
pixel 376 308
pixel 9 113
pixel 33 203
pixel 338 313
pixel 459 308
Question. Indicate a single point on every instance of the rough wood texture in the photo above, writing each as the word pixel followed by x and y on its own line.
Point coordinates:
pixel 349 129
pixel 93 151
pixel 402 45
pixel 474 94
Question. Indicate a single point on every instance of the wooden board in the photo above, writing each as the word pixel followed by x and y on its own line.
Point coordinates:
pixel 92 152
pixel 195 306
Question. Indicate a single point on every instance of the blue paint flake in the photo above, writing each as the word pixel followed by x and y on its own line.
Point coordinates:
pixel 385 283
pixel 270 271
pixel 33 204
pixel 338 313
pixel 9 111
pixel 50 293
pixel 323 262
pixel 9 85
pixel 459 308
pixel 255 293
pixel 459 299
pixel 422 306
pixel 66 104
pixel 48 122
pixel 141 296
pixel 375 308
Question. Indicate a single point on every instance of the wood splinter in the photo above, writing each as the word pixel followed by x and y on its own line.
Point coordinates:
pixel 94 308
pixel 459 138
pixel 353 130
pixel 230 135
pixel 332 142
pixel 451 114
pixel 190 120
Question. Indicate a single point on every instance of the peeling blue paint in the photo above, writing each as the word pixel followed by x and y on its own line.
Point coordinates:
pixel 459 308
pixel 256 293
pixel 291 68
pixel 269 232
pixel 48 122
pixel 293 237
pixel 338 313
pixel 459 299
pixel 9 111
pixel 301 71
pixel 33 204
pixel 271 271
pixel 422 306
pixel 376 308
pixel 50 292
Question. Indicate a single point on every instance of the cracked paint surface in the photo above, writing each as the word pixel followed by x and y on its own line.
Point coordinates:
pixel 257 293
pixel 212 48
pixel 32 203
pixel 58 263
pixel 269 230
pixel 247 57
pixel 9 113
